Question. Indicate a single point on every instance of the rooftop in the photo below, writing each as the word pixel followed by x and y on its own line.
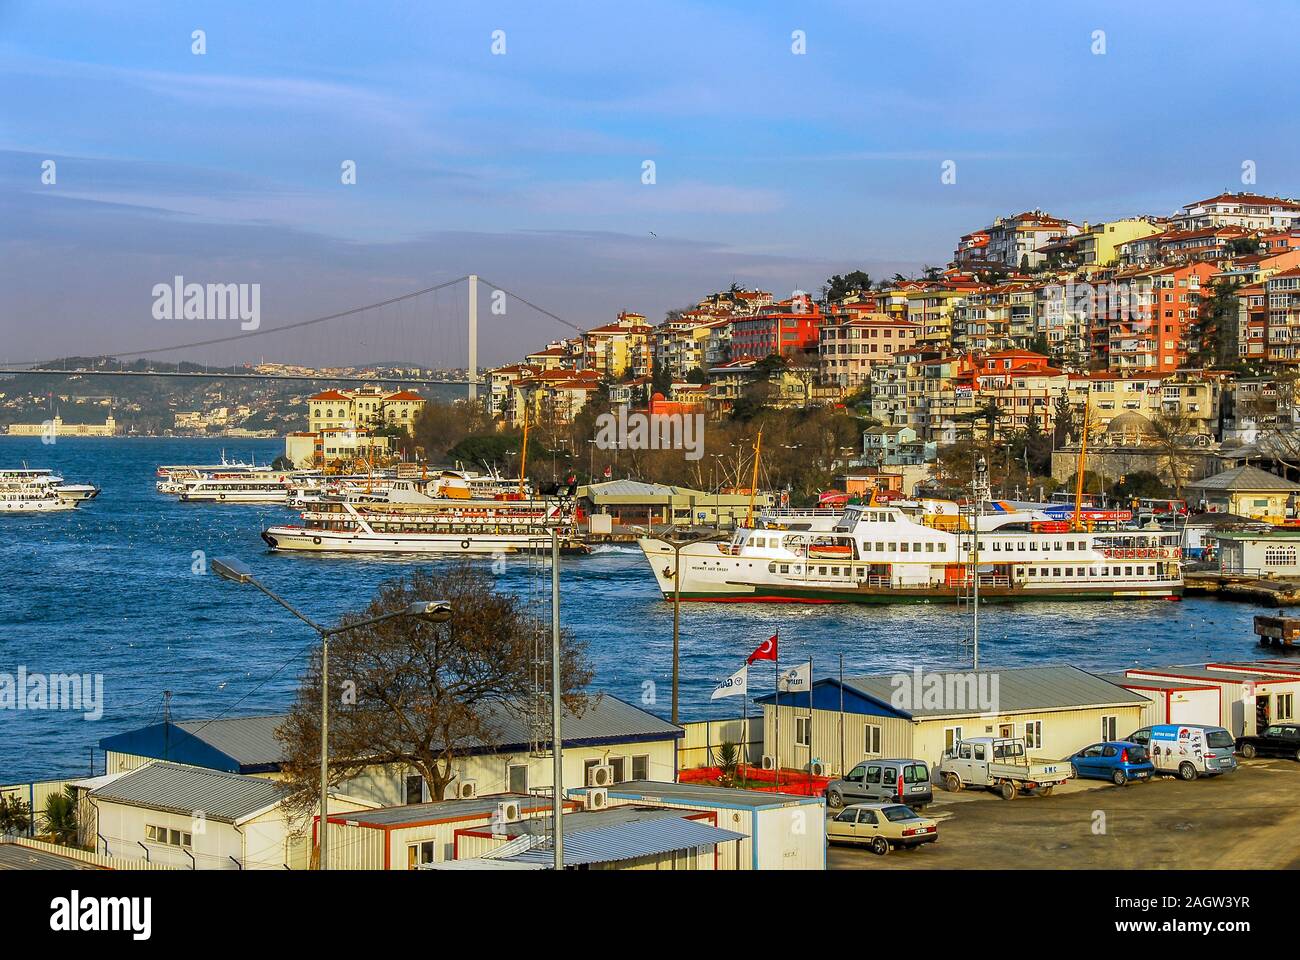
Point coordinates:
pixel 1246 478
pixel 224 797
pixel 654 791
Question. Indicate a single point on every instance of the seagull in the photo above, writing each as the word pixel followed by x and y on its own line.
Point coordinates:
pixel 653 234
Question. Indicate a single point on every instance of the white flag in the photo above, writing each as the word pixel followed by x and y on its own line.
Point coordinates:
pixel 796 679
pixel 736 685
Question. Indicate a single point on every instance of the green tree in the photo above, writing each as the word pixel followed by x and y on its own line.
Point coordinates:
pixel 15 815
pixel 61 816
pixel 840 286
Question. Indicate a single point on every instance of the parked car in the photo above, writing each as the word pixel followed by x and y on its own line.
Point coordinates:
pixel 999 764
pixel 1118 761
pixel 1278 740
pixel 881 826
pixel 898 781
pixel 1189 750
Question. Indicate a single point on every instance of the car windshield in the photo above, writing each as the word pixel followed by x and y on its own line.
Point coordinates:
pixel 916 773
pixel 1218 739
pixel 897 813
pixel 1135 752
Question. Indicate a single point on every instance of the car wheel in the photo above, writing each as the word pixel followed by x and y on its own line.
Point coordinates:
pixel 1118 778
pixel 1046 791
pixel 952 783
pixel 1248 751
pixel 1297 754
pixel 1187 770
pixel 1008 790
pixel 880 846
pixel 834 800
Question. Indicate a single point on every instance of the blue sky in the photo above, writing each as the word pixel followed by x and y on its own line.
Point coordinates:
pixel 772 168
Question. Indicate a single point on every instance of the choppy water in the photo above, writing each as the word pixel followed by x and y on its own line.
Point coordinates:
pixel 108 589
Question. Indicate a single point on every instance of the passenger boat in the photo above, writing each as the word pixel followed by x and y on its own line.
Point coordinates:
pixel 467 527
pixel 260 486
pixel 32 491
pixel 921 551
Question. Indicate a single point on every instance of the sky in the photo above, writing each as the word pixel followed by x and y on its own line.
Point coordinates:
pixel 789 142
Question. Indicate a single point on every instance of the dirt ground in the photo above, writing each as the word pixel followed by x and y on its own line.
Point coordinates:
pixel 1249 819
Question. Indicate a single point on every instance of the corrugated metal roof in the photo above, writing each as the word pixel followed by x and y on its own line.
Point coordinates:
pixel 652 791
pixel 1019 690
pixel 1124 680
pixel 249 740
pixel 14 856
pixel 224 797
pixel 627 840
pixel 1247 479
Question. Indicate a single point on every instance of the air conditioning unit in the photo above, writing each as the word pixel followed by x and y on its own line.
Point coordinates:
pixel 597 798
pixel 769 763
pixel 466 789
pixel 600 776
pixel 817 768
pixel 508 811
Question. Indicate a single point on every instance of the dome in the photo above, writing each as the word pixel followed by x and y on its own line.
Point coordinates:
pixel 1130 424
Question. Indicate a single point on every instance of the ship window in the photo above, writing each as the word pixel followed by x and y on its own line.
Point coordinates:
pixel 1128 571
pixel 943 548
pixel 916 547
pixel 893 547
pixel 1069 571
pixel 866 546
pixel 1020 545
pixel 771 568
pixel 822 571
pixel 785 568
pixel 902 547
pixel 929 548
pixel 997 545
pixel 880 545
pixel 1056 572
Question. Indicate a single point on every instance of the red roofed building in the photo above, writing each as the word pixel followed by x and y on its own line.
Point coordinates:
pixel 784 328
pixel 1249 210
pixel 368 408
pixel 849 347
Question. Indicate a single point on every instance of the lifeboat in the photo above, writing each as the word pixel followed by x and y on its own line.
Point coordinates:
pixel 830 551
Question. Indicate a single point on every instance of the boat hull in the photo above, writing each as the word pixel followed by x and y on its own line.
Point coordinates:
pixel 881 595
pixel 300 539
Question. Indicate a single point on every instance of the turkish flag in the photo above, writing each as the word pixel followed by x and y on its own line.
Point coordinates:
pixel 765 650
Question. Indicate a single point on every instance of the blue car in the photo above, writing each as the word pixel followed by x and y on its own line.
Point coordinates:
pixel 1118 761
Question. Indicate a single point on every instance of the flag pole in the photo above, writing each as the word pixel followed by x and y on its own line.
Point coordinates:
pixel 841 713
pixel 776 664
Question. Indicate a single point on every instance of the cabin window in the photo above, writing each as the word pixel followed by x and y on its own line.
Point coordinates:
pixel 802 731
pixel 1056 572
pixel 517 777
pixel 929 548
pixel 1069 571
pixel 902 547
pixel 866 546
pixel 641 767
pixel 1033 734
pixel 1020 545
pixel 822 571
pixel 893 548
pixel 785 568
pixel 771 568
pixel 880 545
pixel 1128 571
pixel 872 738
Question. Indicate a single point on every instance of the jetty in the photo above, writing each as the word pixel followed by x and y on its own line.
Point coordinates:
pixel 1268 591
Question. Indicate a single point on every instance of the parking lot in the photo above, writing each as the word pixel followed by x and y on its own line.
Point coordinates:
pixel 1249 819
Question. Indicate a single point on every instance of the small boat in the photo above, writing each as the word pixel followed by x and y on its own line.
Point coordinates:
pixel 31 491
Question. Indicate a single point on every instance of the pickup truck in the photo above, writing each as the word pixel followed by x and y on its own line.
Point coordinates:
pixel 999 764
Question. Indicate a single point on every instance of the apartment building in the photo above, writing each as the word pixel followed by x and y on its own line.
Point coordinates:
pixel 1248 210
pixel 1282 294
pixel 1014 242
pixel 1150 395
pixel 1141 323
pixel 930 310
pixel 681 345
pixel 784 328
pixel 849 348
pixel 1099 244
pixel 619 349
pixel 367 408
pixel 1022 384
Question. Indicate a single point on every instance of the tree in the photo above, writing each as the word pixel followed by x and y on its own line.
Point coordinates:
pixel 1171 432
pixel 440 426
pixel 838 287
pixel 991 414
pixel 420 694
pixel 1140 484
pixel 728 763
pixel 61 816
pixel 15 815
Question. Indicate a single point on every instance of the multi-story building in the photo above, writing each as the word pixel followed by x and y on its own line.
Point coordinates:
pixel 1186 393
pixel 931 308
pixel 1099 244
pixel 1022 385
pixel 849 348
pixel 1282 292
pixel 549 396
pixel 368 408
pixel 784 328
pixel 619 349
pixel 1013 242
pixel 1249 210
pixel 1252 323
pixel 680 345
pixel 1141 323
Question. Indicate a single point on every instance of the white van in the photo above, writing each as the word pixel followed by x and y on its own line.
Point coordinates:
pixel 1188 749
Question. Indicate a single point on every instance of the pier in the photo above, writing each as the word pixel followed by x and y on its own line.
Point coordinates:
pixel 1267 591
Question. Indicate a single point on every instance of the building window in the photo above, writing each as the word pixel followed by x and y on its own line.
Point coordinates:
pixel 620 768
pixel 517 777
pixel 418 853
pixel 1284 704
pixel 1033 735
pixel 164 835
pixel 1279 556
pixel 641 767
pixel 1109 729
pixel 872 738
pixel 414 789
pixel 950 737
pixel 803 731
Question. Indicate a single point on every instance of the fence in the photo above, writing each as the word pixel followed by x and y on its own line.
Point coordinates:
pixel 86 856
pixel 36 795
pixel 699 748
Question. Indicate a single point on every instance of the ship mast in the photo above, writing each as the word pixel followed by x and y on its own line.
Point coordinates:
pixel 523 453
pixel 1076 524
pixel 753 480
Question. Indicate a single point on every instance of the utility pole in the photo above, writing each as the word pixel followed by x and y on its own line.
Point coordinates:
pixel 557 742
pixel 472 363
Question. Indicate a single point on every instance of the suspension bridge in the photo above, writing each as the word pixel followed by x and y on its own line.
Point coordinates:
pixel 436 327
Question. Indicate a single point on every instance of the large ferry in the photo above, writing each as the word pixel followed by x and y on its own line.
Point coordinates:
pixel 257 486
pixel 921 551
pixel 33 491
pixel 358 525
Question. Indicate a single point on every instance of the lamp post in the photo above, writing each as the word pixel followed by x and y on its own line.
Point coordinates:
pixel 677 546
pixel 431 611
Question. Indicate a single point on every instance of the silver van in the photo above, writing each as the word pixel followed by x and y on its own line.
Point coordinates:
pixel 1189 750
pixel 892 781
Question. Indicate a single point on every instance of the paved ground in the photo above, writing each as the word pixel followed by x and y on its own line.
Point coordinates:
pixel 15 857
pixel 1249 819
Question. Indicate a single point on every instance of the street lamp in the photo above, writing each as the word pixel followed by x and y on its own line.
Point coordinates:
pixel 430 611
pixel 677 546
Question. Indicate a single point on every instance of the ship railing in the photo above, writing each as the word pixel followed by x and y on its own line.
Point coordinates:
pixel 801 512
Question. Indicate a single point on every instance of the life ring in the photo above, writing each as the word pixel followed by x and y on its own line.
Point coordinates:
pixel 464 544
pixel 221 496
pixel 315 540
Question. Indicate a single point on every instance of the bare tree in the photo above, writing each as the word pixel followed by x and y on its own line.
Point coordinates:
pixel 421 694
pixel 1172 434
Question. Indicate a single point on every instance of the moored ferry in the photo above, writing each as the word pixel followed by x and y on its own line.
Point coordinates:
pixel 468 527
pixel 921 551
pixel 261 486
pixel 32 491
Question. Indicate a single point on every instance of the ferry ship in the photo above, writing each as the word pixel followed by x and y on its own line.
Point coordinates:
pixel 467 527
pixel 32 491
pixel 921 551
pixel 259 486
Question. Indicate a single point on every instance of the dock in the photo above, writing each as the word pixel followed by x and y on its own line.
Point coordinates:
pixel 1278 631
pixel 1267 591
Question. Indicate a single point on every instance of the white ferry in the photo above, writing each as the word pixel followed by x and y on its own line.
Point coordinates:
pixel 468 527
pixel 32 491
pixel 261 486
pixel 923 551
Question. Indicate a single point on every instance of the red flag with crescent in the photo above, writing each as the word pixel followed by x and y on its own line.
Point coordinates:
pixel 765 650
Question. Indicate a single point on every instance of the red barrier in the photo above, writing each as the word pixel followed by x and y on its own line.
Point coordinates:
pixel 796 782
